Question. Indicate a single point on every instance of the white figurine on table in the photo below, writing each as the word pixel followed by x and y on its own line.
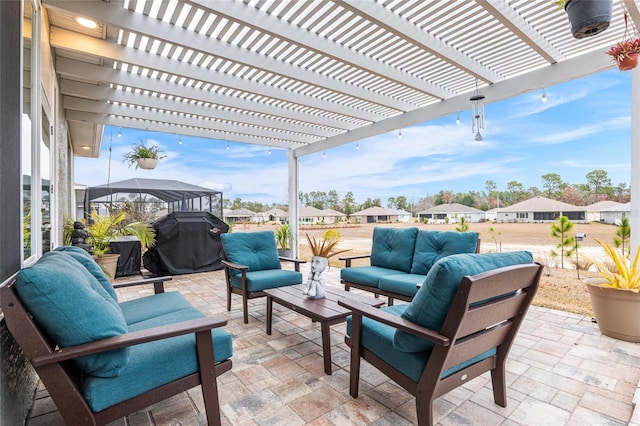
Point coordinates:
pixel 315 283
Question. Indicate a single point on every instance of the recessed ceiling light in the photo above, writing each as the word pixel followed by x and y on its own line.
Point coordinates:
pixel 87 23
pixel 86 147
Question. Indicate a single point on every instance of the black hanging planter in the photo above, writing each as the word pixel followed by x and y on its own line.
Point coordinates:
pixel 588 17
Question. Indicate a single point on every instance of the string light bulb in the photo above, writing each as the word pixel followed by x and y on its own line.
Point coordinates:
pixel 120 132
pixel 269 150
pixel 180 140
pixel 357 146
pixel 324 155
pixel 544 95
pixel 458 118
pixel 228 147
pixel 399 133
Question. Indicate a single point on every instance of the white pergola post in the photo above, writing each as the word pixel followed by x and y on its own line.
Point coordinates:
pixel 635 161
pixel 293 202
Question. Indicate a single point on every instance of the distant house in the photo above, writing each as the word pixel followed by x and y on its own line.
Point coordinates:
pixel 594 210
pixel 451 213
pixel 541 209
pixel 613 214
pixel 491 214
pixel 273 215
pixel 238 215
pixel 375 215
pixel 313 216
pixel 403 215
pixel 333 216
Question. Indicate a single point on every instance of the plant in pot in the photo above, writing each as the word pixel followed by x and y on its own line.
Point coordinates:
pixel 616 296
pixel 587 17
pixel 104 229
pixel 625 53
pixel 321 249
pixel 143 156
pixel 284 239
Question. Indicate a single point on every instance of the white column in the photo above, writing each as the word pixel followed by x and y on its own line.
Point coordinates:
pixel 635 161
pixel 293 203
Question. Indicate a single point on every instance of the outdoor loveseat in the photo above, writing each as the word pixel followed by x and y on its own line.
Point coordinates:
pixel 401 258
pixel 101 360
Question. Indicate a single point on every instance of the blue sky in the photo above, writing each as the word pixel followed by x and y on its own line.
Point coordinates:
pixel 584 125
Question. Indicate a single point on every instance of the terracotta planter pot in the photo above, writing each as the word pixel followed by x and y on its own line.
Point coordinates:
pixel 629 62
pixel 588 17
pixel 617 311
pixel 147 163
pixel 109 262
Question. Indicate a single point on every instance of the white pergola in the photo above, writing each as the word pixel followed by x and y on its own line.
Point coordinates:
pixel 311 75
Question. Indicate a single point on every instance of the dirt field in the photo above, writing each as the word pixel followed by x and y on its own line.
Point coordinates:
pixel 560 287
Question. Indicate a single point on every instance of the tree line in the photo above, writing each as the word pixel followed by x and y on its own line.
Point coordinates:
pixel 598 187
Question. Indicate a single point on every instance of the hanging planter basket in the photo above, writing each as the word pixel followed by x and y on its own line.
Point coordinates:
pixel 147 163
pixel 629 62
pixel 588 17
pixel 625 54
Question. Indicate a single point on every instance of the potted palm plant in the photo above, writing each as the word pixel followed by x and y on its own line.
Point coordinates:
pixel 143 156
pixel 616 295
pixel 105 229
pixel 284 239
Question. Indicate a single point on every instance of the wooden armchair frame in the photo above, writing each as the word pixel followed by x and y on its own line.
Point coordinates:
pixel 62 377
pixel 486 313
pixel 243 291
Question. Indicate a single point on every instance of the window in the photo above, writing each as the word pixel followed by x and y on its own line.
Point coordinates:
pixel 29 102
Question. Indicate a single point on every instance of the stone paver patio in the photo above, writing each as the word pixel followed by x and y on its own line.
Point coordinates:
pixel 561 371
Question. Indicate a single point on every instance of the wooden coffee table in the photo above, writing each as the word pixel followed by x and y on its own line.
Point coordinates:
pixel 326 311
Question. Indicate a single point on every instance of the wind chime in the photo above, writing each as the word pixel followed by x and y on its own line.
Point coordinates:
pixel 477 112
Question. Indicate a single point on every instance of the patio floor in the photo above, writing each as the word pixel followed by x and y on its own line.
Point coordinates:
pixel 561 371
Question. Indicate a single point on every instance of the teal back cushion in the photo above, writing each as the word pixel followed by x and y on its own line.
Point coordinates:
pixel 432 246
pixel 257 250
pixel 73 308
pixel 94 269
pixel 392 248
pixel 431 303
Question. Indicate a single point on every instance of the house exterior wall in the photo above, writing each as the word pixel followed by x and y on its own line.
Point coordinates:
pixel 540 216
pixel 514 217
pixel 594 216
pixel 613 217
pixel 17 378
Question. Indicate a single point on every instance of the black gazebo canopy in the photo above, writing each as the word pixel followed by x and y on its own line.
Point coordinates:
pixel 179 196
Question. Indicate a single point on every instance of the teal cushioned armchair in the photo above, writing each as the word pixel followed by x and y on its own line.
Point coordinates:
pixel 252 265
pixel 461 324
pixel 101 360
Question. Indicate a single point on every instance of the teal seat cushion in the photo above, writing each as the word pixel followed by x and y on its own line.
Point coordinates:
pixel 144 308
pixel 262 280
pixel 432 246
pixel 378 338
pixel 392 248
pixel 431 303
pixel 256 250
pixel 73 308
pixel 405 284
pixel 155 363
pixel 366 275
pixel 88 262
